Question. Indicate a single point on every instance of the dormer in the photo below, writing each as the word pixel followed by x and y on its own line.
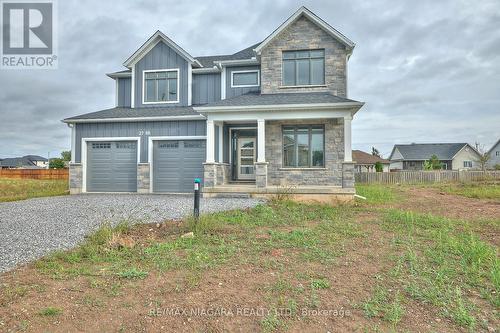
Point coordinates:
pixel 161 73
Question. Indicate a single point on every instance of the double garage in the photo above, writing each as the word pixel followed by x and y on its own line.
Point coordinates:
pixel 111 166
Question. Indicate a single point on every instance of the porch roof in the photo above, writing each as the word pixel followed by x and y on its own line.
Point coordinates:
pixel 257 99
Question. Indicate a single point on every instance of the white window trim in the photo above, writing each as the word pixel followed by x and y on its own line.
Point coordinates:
pixel 156 71
pixel 164 138
pixel 83 152
pixel 245 85
pixel 469 164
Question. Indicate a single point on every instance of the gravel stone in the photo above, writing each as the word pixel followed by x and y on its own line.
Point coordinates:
pixel 30 229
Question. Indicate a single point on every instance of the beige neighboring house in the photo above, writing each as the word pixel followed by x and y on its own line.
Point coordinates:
pixel 453 156
pixel 365 162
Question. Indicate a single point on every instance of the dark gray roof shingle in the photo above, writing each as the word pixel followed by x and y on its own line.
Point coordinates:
pixel 280 99
pixel 423 151
pixel 208 61
pixel 121 112
pixel 17 162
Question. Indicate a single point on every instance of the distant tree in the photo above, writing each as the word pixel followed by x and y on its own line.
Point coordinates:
pixel 483 158
pixel 433 163
pixel 56 163
pixel 379 167
pixel 66 155
pixel 375 152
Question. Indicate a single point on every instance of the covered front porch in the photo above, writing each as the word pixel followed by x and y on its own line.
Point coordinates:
pixel 299 150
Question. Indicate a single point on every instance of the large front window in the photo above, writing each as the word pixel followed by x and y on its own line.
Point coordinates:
pixel 303 68
pixel 304 146
pixel 161 86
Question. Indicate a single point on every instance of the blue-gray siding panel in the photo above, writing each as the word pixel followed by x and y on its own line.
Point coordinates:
pixel 137 129
pixel 206 88
pixel 124 86
pixel 232 92
pixel 162 57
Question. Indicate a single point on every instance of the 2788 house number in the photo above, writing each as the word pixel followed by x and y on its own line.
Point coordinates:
pixel 144 132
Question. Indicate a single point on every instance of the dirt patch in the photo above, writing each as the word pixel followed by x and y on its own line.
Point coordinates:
pixel 433 201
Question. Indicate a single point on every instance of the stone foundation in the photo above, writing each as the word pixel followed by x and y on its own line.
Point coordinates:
pixel 261 174
pixel 75 178
pixel 143 178
pixel 348 174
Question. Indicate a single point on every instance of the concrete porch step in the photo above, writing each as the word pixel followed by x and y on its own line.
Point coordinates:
pixel 237 195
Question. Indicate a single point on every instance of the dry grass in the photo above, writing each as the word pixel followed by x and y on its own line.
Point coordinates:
pixel 21 189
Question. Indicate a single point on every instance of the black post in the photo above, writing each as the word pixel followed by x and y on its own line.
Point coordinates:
pixel 196 212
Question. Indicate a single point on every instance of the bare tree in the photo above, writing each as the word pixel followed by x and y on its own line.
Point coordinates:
pixel 483 158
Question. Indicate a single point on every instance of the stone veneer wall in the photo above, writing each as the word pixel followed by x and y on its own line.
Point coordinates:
pixel 143 178
pixel 75 178
pixel 304 35
pixel 334 155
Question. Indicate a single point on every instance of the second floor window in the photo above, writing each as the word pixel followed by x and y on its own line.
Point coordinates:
pixel 467 164
pixel 248 78
pixel 303 68
pixel 161 86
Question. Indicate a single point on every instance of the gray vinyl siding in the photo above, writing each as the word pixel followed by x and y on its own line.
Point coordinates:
pixel 162 57
pixel 124 86
pixel 232 92
pixel 155 128
pixel 206 88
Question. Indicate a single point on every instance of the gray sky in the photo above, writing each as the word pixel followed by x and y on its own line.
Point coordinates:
pixel 428 71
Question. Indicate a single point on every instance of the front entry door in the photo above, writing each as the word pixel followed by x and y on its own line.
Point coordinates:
pixel 246 158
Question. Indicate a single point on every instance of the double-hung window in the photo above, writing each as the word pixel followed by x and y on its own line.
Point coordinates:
pixel 467 164
pixel 161 86
pixel 303 68
pixel 304 146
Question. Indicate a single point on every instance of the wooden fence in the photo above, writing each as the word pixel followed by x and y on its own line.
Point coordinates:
pixel 35 173
pixel 418 177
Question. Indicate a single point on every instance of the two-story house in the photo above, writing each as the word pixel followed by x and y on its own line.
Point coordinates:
pixel 272 116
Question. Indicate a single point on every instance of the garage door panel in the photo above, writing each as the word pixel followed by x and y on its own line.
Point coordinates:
pixel 176 164
pixel 112 166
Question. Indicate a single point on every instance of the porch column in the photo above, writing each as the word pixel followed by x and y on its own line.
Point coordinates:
pixel 261 140
pixel 347 139
pixel 261 164
pixel 210 142
pixel 348 164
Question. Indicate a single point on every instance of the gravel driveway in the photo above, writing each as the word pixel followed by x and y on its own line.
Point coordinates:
pixel 32 228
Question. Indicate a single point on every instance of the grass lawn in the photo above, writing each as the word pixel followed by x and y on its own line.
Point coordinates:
pixel 372 266
pixel 20 189
pixel 480 190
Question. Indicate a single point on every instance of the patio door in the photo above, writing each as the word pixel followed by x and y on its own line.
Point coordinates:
pixel 246 158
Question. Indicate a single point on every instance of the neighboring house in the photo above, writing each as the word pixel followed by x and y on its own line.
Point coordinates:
pixel 18 163
pixel 365 162
pixel 453 156
pixel 273 115
pixel 494 153
pixel 39 161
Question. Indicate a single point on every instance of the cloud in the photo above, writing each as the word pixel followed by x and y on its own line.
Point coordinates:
pixel 427 70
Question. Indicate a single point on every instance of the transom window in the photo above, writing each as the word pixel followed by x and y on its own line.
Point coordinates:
pixel 161 86
pixel 304 146
pixel 302 68
pixel 250 78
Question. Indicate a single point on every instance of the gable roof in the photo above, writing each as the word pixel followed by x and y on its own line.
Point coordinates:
pixel 157 37
pixel 423 151
pixel 303 11
pixel 360 157
pixel 493 147
pixel 36 158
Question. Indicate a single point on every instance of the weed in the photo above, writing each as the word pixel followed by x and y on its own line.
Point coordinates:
pixel 133 273
pixel 50 311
